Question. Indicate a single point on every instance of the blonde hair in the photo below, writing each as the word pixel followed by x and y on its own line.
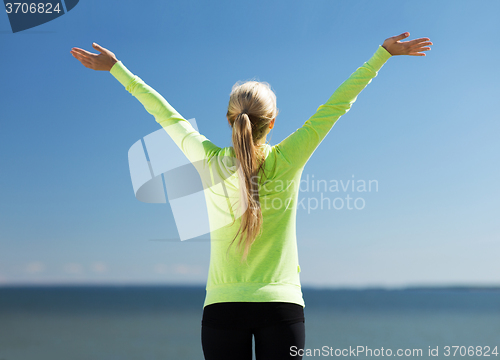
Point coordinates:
pixel 252 107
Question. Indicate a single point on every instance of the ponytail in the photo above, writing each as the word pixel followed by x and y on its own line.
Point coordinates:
pixel 249 166
pixel 252 107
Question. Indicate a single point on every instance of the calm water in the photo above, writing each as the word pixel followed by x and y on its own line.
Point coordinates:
pixel 129 323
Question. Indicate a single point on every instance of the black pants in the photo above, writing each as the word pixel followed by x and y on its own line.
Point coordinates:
pixel 227 329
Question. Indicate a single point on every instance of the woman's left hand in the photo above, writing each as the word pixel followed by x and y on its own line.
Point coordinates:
pixel 395 46
pixel 103 61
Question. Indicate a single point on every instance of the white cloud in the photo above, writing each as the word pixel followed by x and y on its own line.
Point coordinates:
pixel 35 267
pixel 73 268
pixel 99 267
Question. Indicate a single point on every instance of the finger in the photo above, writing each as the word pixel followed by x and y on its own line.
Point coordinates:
pixel 401 36
pixel 415 53
pixel 417 41
pixel 99 48
pixel 85 62
pixel 83 52
pixel 419 48
pixel 79 56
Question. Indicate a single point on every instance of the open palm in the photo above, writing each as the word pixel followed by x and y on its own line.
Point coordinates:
pixel 103 61
pixel 395 46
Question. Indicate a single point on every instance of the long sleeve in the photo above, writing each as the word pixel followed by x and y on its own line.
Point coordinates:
pixel 298 147
pixel 195 146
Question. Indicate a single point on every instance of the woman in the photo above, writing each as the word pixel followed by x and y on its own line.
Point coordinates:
pixel 253 288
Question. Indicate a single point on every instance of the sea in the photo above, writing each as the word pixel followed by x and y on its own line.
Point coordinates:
pixel 164 322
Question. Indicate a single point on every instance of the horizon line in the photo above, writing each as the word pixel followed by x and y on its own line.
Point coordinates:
pixel 304 287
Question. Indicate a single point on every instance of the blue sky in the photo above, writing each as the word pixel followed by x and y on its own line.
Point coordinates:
pixel 425 130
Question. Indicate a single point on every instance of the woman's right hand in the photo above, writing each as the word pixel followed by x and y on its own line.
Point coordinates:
pixel 413 47
pixel 104 61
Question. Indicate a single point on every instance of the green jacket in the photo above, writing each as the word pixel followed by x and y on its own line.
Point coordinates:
pixel 271 272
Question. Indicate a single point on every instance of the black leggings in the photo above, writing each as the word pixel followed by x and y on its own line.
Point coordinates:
pixel 227 329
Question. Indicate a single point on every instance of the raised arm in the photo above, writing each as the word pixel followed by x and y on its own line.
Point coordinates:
pixel 301 144
pixel 195 146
